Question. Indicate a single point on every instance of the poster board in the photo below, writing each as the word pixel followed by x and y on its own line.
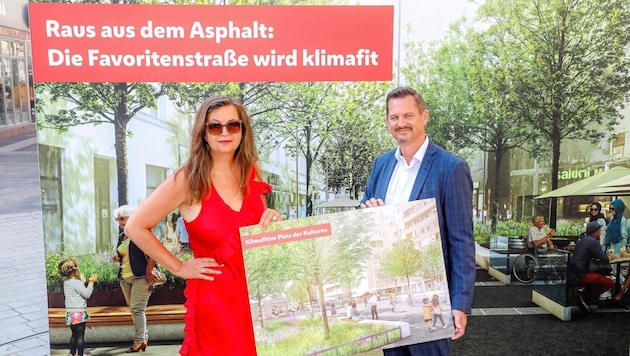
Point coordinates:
pixel 303 273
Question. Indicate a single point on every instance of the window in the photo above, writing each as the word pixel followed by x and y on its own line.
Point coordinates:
pixel 52 212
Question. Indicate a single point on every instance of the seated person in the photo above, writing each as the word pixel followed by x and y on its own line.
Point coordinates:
pixel 586 250
pixel 354 311
pixel 537 236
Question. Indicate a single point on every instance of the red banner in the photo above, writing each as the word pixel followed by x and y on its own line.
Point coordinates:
pixel 210 43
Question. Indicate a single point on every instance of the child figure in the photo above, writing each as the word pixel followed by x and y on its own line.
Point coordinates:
pixel 437 311
pixel 427 309
pixel 76 294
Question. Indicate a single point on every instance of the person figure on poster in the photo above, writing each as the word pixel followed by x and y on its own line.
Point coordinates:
pixel 182 235
pixel 410 301
pixel 596 214
pixel 617 230
pixel 437 311
pixel 135 278
pixel 427 310
pixel 537 236
pixel 217 190
pixel 355 313
pixel 586 250
pixel 420 169
pixel 393 300
pixel 76 294
pixel 373 302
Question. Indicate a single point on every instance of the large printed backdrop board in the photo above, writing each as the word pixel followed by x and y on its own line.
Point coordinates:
pixel 210 43
pixel 302 275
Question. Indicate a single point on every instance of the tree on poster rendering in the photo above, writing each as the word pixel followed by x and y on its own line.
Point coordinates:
pixel 403 260
pixel 311 263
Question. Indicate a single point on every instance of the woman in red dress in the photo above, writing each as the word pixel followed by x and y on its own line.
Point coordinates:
pixel 217 191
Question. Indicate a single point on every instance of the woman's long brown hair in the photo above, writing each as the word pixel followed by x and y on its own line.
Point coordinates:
pixel 199 164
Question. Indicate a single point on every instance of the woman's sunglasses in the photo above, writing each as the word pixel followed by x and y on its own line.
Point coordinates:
pixel 216 128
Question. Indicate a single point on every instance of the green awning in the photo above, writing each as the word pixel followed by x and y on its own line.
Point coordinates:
pixel 593 186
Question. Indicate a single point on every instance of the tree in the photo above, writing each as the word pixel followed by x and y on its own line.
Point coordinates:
pixel 266 270
pixel 575 71
pixel 402 260
pixel 501 119
pixel 99 103
pixel 307 113
pixel 439 71
pixel 331 260
pixel 360 136
pixel 466 82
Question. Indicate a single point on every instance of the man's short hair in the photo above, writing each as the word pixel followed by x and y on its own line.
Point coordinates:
pixel 402 92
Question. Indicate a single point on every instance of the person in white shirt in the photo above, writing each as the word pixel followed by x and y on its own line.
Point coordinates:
pixel 537 235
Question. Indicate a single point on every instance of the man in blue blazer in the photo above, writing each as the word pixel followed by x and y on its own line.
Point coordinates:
pixel 419 169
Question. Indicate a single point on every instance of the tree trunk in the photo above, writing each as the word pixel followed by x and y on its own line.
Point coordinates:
pixel 322 307
pixel 122 166
pixel 555 167
pixel 498 157
pixel 121 119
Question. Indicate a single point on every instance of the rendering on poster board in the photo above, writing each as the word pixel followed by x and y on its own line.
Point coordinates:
pixel 348 282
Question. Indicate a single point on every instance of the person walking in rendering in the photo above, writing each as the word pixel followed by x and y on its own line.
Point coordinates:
pixel 420 169
pixel 427 311
pixel 437 312
pixel 373 302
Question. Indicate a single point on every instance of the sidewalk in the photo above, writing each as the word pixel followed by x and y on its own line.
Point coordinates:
pixel 23 304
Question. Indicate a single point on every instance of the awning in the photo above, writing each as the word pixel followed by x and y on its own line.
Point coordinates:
pixel 593 186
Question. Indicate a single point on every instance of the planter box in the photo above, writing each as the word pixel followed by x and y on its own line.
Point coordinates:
pixel 114 297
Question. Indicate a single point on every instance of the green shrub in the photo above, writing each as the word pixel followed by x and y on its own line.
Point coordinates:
pixel 102 264
pixel 570 228
pixel 512 228
pixel 483 234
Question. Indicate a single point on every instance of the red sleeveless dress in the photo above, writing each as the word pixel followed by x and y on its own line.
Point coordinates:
pixel 218 317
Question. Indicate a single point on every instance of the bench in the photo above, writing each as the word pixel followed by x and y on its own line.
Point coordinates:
pixel 114 324
pixel 119 315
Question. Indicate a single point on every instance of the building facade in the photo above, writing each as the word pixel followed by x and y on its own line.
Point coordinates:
pixel 17 100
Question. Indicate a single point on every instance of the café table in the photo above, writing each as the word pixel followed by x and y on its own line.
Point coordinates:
pixel 617 261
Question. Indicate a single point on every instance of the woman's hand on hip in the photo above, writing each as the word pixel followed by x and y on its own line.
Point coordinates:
pixel 199 268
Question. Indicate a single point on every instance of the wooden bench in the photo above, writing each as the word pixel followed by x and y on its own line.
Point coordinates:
pixel 118 315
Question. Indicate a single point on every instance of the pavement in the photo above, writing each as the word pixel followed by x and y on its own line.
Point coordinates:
pixel 23 306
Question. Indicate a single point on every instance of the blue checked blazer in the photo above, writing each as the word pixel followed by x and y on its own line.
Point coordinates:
pixel 446 178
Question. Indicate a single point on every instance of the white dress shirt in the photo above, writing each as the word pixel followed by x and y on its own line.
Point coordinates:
pixel 404 175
